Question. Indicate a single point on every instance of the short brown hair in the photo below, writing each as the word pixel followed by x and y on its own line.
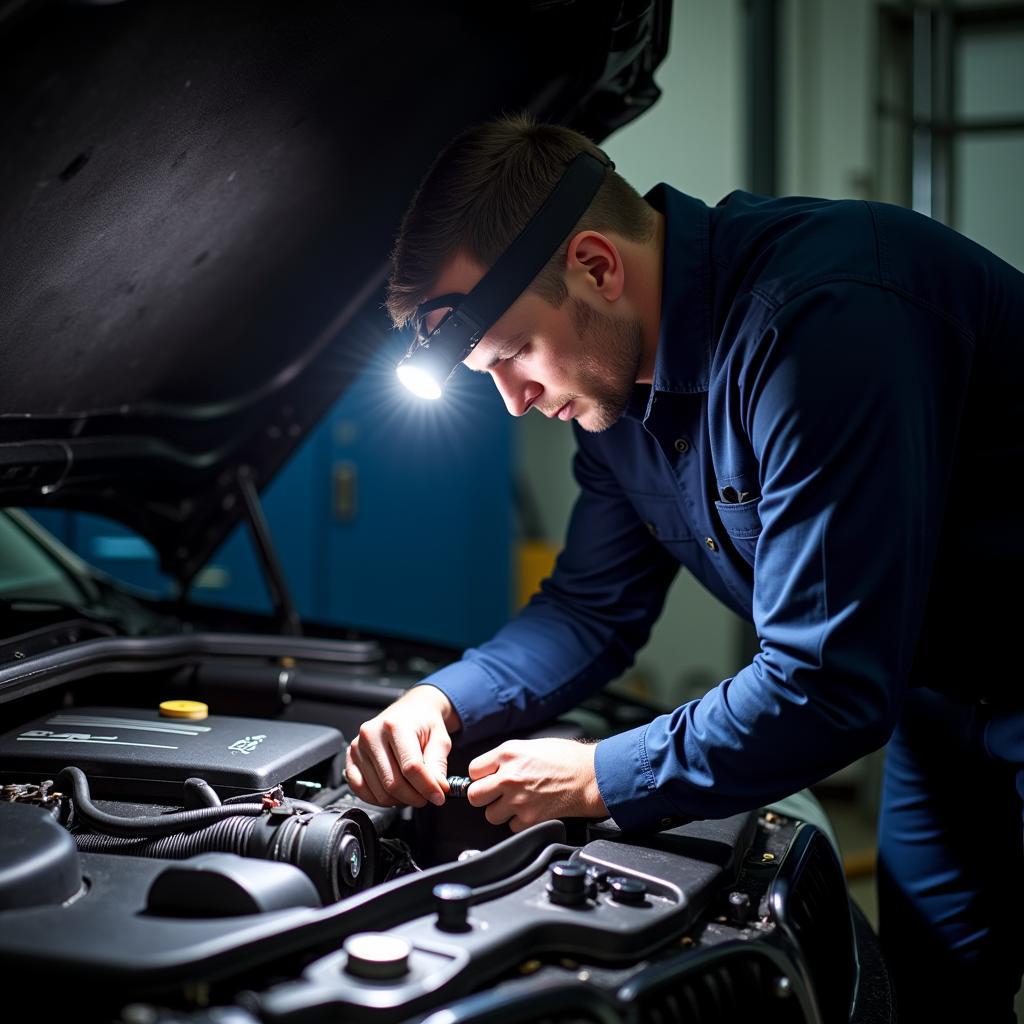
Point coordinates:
pixel 480 192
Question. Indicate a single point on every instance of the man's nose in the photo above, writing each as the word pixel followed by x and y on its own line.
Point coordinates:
pixel 517 393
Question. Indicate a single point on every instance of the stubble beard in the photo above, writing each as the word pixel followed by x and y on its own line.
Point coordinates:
pixel 607 372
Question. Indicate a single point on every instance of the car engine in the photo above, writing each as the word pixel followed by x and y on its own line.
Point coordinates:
pixel 169 864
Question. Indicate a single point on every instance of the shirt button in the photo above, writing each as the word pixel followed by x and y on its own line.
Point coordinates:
pixel 652 528
pixel 682 445
pixel 711 545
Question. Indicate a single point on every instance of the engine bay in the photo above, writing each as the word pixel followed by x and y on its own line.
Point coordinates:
pixel 172 864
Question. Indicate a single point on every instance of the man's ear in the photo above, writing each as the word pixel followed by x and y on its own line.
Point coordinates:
pixel 594 263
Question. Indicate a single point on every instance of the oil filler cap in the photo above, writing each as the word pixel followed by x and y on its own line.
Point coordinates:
pixel 193 709
pixel 376 956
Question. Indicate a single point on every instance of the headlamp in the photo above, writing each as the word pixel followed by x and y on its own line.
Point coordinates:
pixel 433 355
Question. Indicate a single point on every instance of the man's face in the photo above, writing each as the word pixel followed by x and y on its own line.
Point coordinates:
pixel 574 362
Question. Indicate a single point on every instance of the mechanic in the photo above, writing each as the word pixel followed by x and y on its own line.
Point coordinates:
pixel 815 407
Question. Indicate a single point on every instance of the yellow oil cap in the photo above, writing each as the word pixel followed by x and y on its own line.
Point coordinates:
pixel 184 709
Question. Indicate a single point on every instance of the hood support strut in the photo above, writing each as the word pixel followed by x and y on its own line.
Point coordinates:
pixel 280 596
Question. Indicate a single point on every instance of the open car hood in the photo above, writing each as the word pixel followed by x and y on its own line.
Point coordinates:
pixel 197 202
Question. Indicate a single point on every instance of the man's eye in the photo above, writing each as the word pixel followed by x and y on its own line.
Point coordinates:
pixel 519 353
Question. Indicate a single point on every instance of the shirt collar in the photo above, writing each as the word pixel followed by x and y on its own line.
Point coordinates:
pixel 683 361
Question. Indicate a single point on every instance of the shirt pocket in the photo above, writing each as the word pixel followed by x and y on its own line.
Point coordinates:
pixel 742 522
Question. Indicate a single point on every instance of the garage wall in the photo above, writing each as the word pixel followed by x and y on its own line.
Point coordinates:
pixel 826 93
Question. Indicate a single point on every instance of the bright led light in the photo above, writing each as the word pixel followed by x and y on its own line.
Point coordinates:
pixel 419 382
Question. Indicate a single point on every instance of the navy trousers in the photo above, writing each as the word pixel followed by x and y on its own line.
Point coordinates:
pixel 951 860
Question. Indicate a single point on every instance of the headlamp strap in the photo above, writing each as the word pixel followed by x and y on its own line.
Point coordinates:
pixel 544 232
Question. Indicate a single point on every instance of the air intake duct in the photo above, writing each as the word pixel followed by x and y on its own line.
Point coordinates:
pixel 338 850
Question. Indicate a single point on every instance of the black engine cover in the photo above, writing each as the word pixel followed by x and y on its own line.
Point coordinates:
pixel 138 752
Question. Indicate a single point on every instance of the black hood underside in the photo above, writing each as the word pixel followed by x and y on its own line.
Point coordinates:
pixel 197 202
pixel 197 206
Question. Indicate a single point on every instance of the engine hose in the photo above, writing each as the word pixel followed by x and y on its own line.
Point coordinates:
pixel 199 793
pixel 155 825
pixel 338 851
pixel 229 836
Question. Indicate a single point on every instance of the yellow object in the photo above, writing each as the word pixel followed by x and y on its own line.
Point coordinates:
pixel 184 709
pixel 536 560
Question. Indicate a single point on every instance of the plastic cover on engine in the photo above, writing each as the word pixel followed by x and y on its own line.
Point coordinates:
pixel 138 751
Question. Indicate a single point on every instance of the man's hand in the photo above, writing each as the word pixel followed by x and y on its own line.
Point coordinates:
pixel 524 782
pixel 401 756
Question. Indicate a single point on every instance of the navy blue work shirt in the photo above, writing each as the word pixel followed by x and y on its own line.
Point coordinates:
pixel 832 446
